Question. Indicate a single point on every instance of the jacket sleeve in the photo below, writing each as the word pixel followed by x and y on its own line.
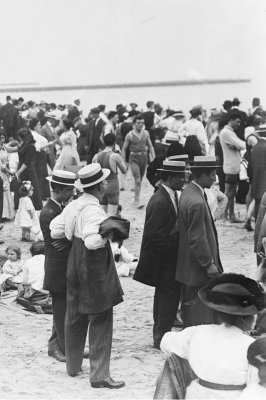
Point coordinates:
pixel 197 235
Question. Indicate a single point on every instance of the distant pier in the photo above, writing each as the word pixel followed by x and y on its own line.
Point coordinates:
pixel 190 82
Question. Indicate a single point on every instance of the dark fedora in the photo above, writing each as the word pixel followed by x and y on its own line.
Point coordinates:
pixel 205 162
pixel 176 167
pixel 119 226
pixel 233 294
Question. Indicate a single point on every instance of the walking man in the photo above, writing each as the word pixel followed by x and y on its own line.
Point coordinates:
pixel 198 257
pixel 56 256
pixel 158 254
pixel 139 143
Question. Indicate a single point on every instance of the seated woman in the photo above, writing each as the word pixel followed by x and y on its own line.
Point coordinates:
pixel 217 353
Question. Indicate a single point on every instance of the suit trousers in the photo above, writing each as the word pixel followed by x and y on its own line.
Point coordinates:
pixel 57 340
pixel 165 306
pixel 100 338
pixel 257 207
pixel 193 310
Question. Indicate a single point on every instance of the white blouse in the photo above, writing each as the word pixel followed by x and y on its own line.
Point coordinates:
pixel 216 353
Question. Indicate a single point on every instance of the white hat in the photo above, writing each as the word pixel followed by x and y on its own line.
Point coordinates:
pixel 91 175
pixel 62 177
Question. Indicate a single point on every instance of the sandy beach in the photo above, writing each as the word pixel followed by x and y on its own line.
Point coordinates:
pixel 28 373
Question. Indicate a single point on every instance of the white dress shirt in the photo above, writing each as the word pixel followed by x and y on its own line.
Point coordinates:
pixel 194 127
pixel 217 354
pixel 33 272
pixel 82 218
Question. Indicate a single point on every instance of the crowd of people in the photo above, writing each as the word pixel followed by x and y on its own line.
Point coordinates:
pixel 60 181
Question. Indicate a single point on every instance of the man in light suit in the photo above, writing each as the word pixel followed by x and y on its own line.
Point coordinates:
pixel 158 254
pixel 198 257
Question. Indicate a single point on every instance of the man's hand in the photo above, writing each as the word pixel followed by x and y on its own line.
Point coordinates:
pixel 212 271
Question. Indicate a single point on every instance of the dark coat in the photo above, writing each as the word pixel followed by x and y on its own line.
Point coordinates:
pixel 258 165
pixel 198 243
pixel 158 252
pixel 93 138
pixel 55 265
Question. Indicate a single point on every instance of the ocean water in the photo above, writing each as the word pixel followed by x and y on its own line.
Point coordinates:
pixel 175 97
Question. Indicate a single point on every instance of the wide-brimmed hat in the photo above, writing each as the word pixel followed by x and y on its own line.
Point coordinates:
pixel 173 166
pixel 205 162
pixel 257 352
pixel 233 294
pixel 180 157
pixel 91 175
pixel 119 226
pixel 62 177
pixel 178 114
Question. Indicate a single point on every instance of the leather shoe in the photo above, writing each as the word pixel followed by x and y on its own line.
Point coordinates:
pixel 108 383
pixel 58 355
pixel 86 353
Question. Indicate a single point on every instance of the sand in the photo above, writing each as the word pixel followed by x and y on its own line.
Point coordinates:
pixel 28 373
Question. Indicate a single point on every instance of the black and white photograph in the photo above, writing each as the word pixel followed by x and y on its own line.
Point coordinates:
pixel 132 199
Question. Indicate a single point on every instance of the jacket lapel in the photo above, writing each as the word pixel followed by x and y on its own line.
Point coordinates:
pixel 165 193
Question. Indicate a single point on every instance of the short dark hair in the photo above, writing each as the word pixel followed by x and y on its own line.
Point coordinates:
pixel 33 122
pixel 101 107
pixel 53 105
pixel 149 104
pixel 235 114
pixel 37 248
pixel 58 186
pixel 68 123
pixel 109 139
pixel 137 118
pixel 16 249
pixel 111 114
pixel 24 191
pixel 8 98
pixel 90 188
pixel 198 172
pixel 166 174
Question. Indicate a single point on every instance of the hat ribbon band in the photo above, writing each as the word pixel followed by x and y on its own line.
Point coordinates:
pixel 92 178
pixel 59 179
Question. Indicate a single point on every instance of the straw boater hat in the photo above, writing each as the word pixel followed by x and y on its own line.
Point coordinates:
pixel 91 175
pixel 173 166
pixel 62 177
pixel 205 162
pixel 233 294
pixel 180 157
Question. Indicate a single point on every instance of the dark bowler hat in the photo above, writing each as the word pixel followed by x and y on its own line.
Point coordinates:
pixel 133 104
pixel 62 177
pixel 227 104
pixel 233 294
pixel 236 101
pixel 119 226
pixel 205 162
pixel 175 167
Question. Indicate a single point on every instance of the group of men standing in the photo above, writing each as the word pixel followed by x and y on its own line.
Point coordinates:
pixel 179 251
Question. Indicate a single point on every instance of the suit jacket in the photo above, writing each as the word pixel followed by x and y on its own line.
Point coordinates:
pixel 258 165
pixel 198 243
pixel 55 265
pixel 93 138
pixel 158 252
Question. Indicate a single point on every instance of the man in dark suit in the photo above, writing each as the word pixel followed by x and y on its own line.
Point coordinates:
pixel 9 114
pixel 258 167
pixel 56 256
pixel 158 254
pixel 95 129
pixel 198 257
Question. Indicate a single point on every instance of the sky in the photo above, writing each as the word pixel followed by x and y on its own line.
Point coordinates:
pixel 66 42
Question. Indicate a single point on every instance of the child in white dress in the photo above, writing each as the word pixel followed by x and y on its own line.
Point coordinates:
pixel 12 268
pixel 26 216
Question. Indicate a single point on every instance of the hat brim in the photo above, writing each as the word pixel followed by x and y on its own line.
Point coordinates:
pixel 49 179
pixel 226 308
pixel 80 186
pixel 205 166
pixel 173 171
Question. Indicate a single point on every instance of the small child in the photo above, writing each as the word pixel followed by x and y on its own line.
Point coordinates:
pixel 26 216
pixel 257 358
pixel 11 272
pixel 125 262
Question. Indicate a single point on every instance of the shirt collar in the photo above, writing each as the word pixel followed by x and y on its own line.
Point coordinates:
pixel 56 202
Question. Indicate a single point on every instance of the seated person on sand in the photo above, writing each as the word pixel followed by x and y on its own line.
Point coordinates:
pixel 209 361
pixel 10 275
pixel 33 268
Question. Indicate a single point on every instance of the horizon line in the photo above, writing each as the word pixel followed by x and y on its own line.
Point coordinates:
pixel 186 82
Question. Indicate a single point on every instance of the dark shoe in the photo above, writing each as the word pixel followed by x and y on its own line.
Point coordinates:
pixel 86 353
pixel 57 355
pixel 157 345
pixel 108 383
pixel 248 226
pixel 2 241
pixel 235 220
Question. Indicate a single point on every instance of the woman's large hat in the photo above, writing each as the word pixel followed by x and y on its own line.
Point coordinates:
pixel 233 294
pixel 205 162
pixel 91 175
pixel 119 226
pixel 173 166
pixel 62 177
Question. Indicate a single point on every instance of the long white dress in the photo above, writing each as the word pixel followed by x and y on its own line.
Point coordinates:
pixel 8 203
pixel 217 354
pixel 69 155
